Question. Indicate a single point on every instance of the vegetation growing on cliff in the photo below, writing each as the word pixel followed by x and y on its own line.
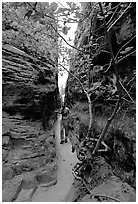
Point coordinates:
pixel 105 41
pixel 103 75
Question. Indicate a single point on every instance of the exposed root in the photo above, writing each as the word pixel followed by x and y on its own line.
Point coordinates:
pixel 87 187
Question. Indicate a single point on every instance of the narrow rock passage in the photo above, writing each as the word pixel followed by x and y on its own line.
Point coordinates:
pixel 66 160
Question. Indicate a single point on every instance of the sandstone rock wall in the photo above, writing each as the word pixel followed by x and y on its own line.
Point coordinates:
pixel 29 85
pixel 29 99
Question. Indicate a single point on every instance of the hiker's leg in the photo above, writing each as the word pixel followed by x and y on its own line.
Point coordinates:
pixel 66 130
pixel 62 133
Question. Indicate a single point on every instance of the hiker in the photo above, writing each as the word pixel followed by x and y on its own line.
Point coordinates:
pixel 64 124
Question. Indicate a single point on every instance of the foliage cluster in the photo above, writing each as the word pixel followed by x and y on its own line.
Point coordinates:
pixel 26 26
pixel 34 27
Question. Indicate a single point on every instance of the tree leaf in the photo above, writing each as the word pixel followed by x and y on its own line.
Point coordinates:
pixel 126 50
pixel 65 30
pixel 54 6
pixel 61 10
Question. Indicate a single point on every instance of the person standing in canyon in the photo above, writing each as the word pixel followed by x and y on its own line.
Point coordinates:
pixel 64 124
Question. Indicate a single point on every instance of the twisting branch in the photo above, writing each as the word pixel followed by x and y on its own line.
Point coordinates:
pixel 113 14
pixel 63 37
pixel 74 77
pixel 107 125
pixel 66 41
pixel 88 98
pixel 126 92
pixel 110 63
pixel 119 88
pixel 126 99
pixel 86 16
pixel 106 12
pixel 118 17
pixel 124 96
pixel 131 80
pixel 123 58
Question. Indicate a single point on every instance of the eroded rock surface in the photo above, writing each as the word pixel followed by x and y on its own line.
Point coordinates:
pixel 29 99
pixel 11 189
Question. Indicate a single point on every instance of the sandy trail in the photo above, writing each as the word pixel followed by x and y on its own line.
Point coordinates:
pixel 66 160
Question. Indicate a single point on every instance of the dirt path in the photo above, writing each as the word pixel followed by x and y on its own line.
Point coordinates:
pixel 66 160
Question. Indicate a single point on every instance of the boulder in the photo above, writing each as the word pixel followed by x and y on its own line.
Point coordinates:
pixel 11 189
pixel 25 195
pixel 6 140
pixel 44 178
pixel 7 173
pixel 29 180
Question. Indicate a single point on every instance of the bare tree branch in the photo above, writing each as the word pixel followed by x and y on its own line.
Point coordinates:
pixel 124 96
pixel 112 9
pixel 86 15
pixel 126 92
pixel 113 14
pixel 123 58
pixel 119 61
pixel 126 100
pixel 107 125
pixel 65 40
pixel 131 80
pixel 108 66
pixel 118 18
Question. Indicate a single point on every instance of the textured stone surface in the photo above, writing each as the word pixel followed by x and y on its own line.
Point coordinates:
pixel 4 154
pixel 113 187
pixel 7 173
pixel 87 198
pixel 43 177
pixel 25 195
pixel 29 180
pixel 11 189
pixel 41 138
pixel 29 85
pixel 26 152
pixel 29 98
pixel 49 184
